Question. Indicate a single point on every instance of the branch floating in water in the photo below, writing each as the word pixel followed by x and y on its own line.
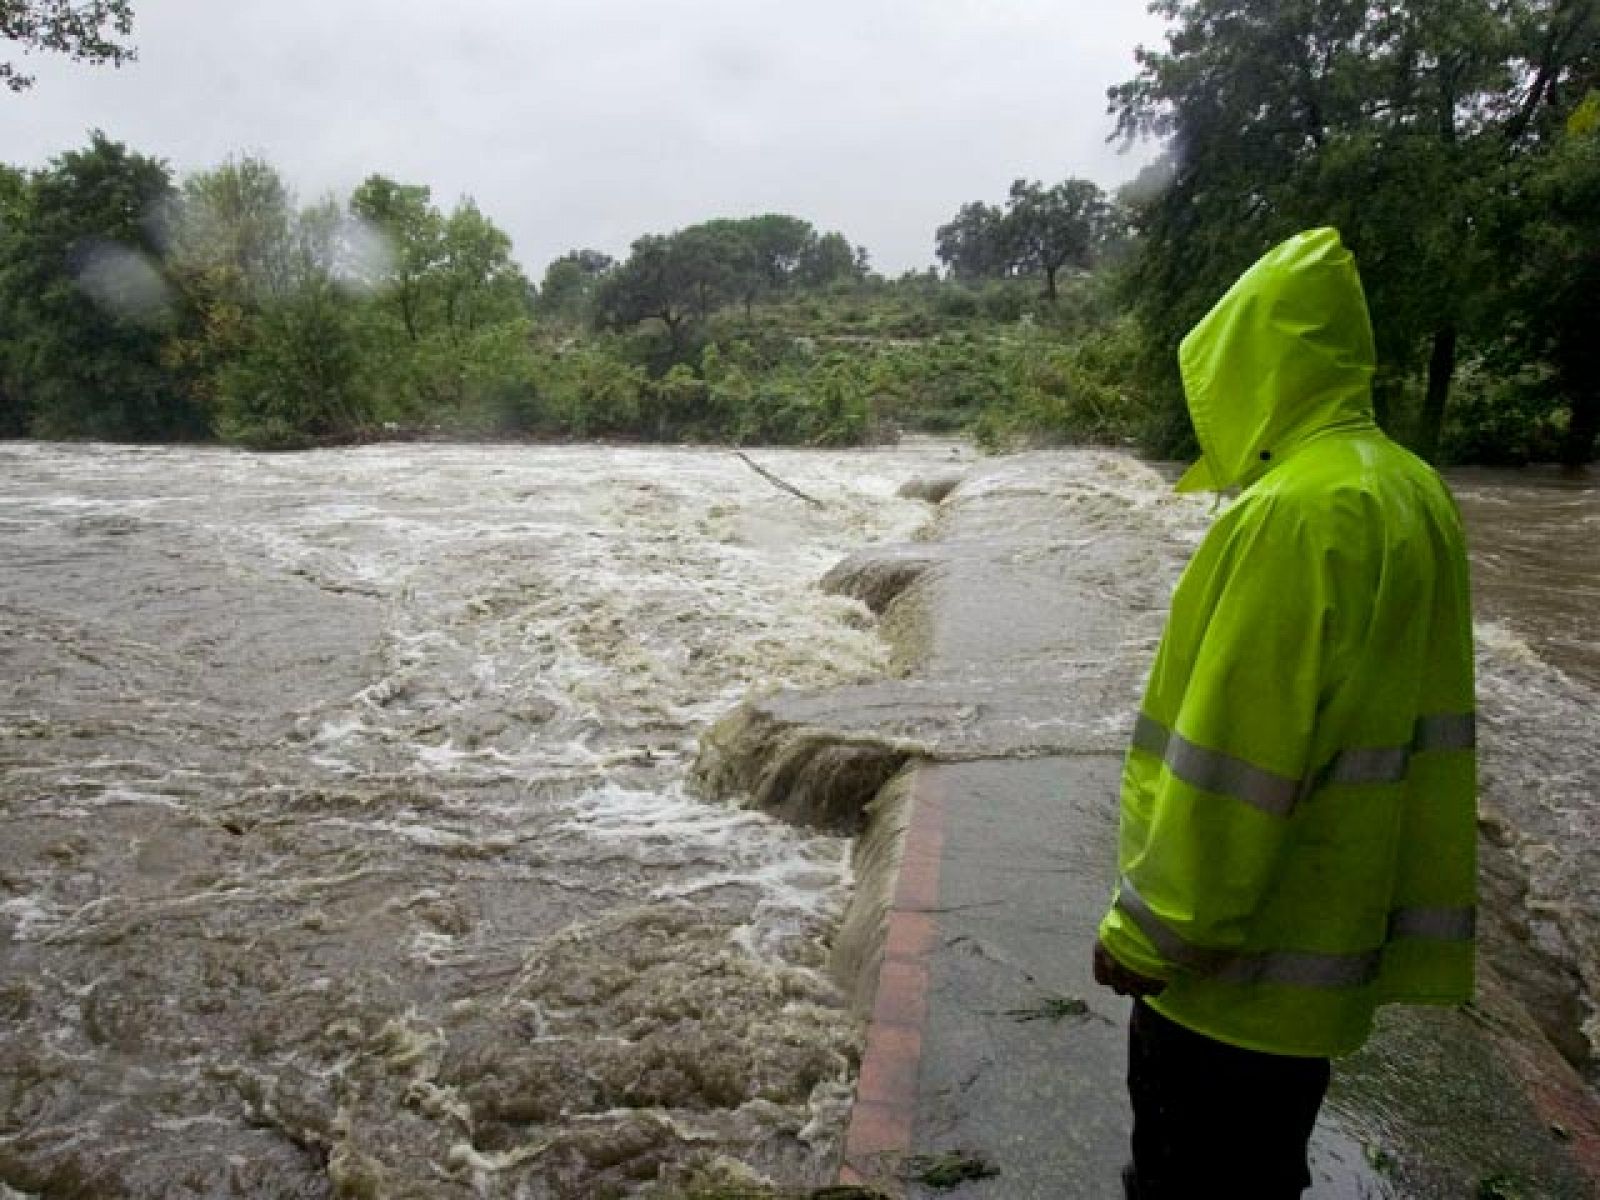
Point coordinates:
pixel 775 481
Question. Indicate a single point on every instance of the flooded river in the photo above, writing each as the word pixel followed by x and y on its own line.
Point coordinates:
pixel 1535 540
pixel 346 843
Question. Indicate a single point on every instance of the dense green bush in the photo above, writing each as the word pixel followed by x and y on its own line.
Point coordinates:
pixel 1504 420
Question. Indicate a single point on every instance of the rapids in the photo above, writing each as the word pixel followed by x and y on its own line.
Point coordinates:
pixel 344 844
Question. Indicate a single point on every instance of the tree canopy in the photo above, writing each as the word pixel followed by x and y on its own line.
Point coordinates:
pixel 84 298
pixel 93 31
pixel 1040 231
pixel 691 273
pixel 1404 125
pixel 220 305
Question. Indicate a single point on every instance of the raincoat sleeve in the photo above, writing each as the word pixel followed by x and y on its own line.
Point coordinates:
pixel 1223 741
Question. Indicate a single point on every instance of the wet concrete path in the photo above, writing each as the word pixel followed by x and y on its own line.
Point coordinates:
pixel 989 1044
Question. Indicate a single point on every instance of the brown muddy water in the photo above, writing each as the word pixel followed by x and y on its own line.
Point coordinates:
pixel 1535 543
pixel 344 847
pixel 347 839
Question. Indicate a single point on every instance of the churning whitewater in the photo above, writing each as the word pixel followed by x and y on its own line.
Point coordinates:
pixel 347 841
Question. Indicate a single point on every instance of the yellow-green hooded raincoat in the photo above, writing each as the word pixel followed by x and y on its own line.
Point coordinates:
pixel 1298 836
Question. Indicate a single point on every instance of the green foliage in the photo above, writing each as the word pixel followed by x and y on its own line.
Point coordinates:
pixel 587 392
pixel 1047 229
pixel 567 292
pixel 1040 231
pixel 296 380
pixel 414 232
pixel 684 277
pixel 1405 126
pixel 477 282
pixel 446 313
pixel 85 300
pixel 1554 244
pixel 1504 420
pixel 85 30
pixel 973 244
pixel 224 308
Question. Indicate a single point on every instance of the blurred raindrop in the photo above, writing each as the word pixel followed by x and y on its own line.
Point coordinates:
pixel 122 281
pixel 366 258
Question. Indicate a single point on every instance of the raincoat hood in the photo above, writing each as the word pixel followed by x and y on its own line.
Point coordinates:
pixel 1286 354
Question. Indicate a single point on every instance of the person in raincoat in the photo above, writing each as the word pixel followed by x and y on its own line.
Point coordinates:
pixel 1297 840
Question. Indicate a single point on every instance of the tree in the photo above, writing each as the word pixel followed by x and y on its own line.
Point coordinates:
pixel 831 259
pixel 1047 229
pixel 567 291
pixel 778 246
pixel 477 281
pixel 229 254
pixel 274 348
pixel 236 220
pixel 1039 232
pixel 1557 250
pixel 445 297
pixel 414 230
pixel 14 188
pixel 649 285
pixel 84 299
pixel 296 376
pixel 1396 122
pixel 687 275
pixel 87 31
pixel 676 277
pixel 972 245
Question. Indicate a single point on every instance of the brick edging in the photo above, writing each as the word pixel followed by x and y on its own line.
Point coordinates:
pixel 882 1117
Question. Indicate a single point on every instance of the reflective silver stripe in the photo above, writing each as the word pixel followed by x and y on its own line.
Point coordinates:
pixel 1385 764
pixel 1279 966
pixel 1439 924
pixel 1447 731
pixel 1388 764
pixel 1170 944
pixel 1304 970
pixel 1214 771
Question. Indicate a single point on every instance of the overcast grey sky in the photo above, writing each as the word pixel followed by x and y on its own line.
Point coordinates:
pixel 589 122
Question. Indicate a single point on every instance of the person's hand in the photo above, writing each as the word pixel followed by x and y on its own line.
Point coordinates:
pixel 1108 972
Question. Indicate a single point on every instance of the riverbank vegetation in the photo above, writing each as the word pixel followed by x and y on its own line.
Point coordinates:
pixel 1460 157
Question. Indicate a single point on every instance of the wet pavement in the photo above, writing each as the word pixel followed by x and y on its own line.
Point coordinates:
pixel 990 1052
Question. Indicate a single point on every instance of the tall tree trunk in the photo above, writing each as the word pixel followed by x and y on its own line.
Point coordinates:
pixel 1441 367
pixel 1442 361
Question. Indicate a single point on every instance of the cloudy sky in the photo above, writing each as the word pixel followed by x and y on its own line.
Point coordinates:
pixel 589 122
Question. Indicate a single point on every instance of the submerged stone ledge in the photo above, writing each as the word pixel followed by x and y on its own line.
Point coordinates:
pixel 805 774
pixel 880 575
pixel 933 488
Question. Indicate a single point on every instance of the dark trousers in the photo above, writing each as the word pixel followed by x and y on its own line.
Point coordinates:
pixel 1211 1119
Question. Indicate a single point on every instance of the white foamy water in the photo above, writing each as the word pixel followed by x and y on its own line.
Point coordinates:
pixel 345 823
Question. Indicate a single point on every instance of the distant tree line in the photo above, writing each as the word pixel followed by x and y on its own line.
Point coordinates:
pixel 139 307
pixel 1456 146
